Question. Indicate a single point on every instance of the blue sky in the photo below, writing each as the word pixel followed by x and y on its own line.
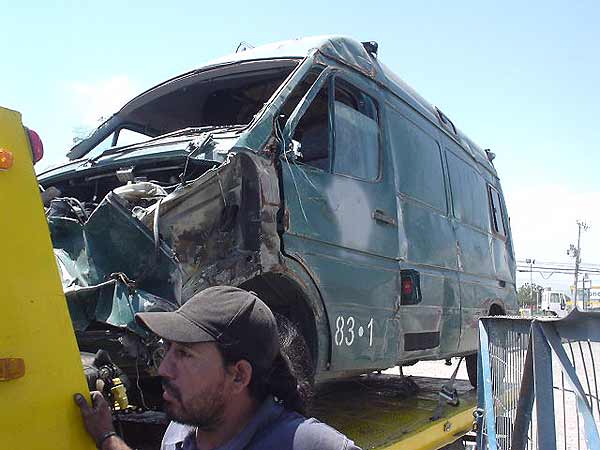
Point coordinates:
pixel 520 78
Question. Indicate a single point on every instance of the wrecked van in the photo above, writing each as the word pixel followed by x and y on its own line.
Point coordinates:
pixel 305 171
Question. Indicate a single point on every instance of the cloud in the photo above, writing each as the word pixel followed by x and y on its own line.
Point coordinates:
pixel 100 99
pixel 543 223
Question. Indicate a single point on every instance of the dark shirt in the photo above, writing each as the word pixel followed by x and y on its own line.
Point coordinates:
pixel 272 428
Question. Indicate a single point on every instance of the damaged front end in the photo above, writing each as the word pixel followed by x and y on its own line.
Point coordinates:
pixel 144 227
pixel 147 248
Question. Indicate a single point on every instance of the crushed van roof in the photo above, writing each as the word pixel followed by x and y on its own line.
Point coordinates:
pixel 345 50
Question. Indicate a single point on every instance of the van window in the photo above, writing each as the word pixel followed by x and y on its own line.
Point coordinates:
pixel 418 162
pixel 313 132
pixel 496 211
pixel 356 133
pixel 300 91
pixel 468 193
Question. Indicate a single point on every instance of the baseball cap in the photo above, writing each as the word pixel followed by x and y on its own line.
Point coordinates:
pixel 224 314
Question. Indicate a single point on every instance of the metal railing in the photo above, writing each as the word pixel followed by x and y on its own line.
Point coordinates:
pixel 538 383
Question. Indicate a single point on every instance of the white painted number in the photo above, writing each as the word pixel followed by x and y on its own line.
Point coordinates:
pixel 350 325
pixel 339 332
pixel 344 331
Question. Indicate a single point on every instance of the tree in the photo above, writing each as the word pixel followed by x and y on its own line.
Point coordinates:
pixel 525 298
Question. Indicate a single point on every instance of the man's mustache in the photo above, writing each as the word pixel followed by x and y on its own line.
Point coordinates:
pixel 171 388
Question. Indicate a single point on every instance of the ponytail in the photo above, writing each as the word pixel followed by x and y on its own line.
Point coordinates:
pixel 290 378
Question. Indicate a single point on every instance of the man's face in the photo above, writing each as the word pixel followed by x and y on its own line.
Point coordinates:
pixel 196 384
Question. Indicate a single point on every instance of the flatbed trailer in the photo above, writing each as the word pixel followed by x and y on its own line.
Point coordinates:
pixel 378 411
pixel 40 366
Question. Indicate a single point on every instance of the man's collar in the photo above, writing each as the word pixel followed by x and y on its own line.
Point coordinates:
pixel 266 413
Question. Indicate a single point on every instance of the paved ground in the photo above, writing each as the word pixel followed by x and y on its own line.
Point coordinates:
pixel 435 369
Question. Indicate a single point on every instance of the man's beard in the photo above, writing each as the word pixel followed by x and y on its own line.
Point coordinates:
pixel 203 411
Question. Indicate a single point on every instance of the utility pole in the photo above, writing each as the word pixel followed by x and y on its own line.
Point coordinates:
pixel 531 262
pixel 575 252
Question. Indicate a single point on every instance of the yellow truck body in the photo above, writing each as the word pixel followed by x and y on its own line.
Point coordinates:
pixel 40 367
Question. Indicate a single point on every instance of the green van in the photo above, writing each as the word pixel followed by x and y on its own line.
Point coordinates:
pixel 306 172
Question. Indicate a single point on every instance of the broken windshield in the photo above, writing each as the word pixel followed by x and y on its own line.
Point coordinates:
pixel 218 97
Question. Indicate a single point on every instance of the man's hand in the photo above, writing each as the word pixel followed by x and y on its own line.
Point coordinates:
pixel 96 418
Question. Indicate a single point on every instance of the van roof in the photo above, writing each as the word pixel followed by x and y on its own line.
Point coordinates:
pixel 350 52
pixel 346 51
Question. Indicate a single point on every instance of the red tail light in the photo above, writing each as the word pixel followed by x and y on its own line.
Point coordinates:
pixel 410 287
pixel 37 148
pixel 407 286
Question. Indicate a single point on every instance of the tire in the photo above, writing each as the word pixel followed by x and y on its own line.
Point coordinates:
pixel 471 361
pixel 293 345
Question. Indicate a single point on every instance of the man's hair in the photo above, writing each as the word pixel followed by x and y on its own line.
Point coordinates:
pixel 291 376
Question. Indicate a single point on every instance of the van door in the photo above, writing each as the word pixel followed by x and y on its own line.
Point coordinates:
pixel 478 270
pixel 430 319
pixel 341 215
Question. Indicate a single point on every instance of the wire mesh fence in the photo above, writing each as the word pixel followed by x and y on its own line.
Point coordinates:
pixel 539 382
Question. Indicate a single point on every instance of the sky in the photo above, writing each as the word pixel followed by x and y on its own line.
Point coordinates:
pixel 520 78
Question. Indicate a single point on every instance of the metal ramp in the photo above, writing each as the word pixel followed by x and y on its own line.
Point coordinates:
pixel 538 383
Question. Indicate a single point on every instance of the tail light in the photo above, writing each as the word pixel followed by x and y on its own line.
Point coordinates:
pixel 37 148
pixel 410 287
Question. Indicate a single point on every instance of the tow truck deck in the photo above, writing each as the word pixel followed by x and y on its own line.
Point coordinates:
pixel 40 368
pixel 378 411
pixel 392 412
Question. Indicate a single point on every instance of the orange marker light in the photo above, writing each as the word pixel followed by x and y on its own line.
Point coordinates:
pixel 11 368
pixel 6 159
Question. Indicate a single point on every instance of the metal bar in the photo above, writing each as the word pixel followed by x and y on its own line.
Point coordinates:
pixel 486 383
pixel 553 340
pixel 524 406
pixel 587 379
pixel 564 406
pixel 569 343
pixel 595 378
pixel 542 371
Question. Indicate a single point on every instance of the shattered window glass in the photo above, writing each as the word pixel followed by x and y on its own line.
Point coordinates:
pixel 300 91
pixel 313 132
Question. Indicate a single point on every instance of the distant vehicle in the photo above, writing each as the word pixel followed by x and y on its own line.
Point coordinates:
pixel 555 303
pixel 307 172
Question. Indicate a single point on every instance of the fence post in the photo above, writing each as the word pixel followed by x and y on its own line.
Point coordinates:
pixel 544 392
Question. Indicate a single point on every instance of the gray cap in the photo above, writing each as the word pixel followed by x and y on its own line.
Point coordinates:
pixel 224 314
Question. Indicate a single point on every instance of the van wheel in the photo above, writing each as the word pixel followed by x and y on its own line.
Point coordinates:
pixel 471 361
pixel 294 346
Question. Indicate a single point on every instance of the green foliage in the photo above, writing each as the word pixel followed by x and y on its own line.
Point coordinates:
pixel 524 294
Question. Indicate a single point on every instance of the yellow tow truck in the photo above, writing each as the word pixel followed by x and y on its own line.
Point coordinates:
pixel 40 365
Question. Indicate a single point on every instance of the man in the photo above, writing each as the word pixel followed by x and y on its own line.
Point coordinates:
pixel 227 385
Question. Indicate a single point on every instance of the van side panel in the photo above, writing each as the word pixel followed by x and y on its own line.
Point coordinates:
pixel 426 234
pixel 483 257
